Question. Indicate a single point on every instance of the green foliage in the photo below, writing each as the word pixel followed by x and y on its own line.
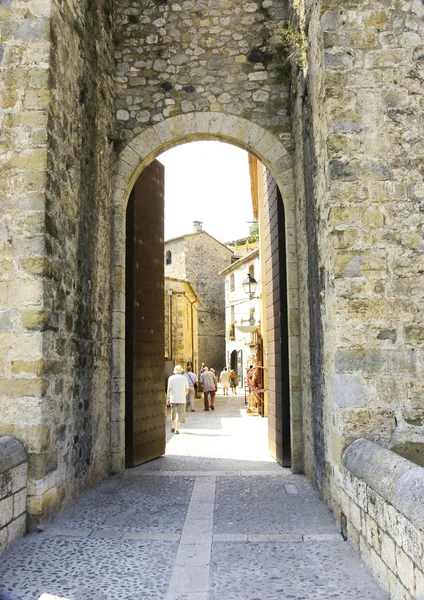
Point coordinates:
pixel 293 43
pixel 254 228
pixel 250 239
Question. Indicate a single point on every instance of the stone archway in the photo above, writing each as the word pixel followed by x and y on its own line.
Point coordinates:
pixel 139 153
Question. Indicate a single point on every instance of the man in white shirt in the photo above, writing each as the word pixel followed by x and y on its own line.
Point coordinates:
pixel 192 384
pixel 176 397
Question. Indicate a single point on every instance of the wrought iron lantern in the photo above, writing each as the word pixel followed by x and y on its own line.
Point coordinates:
pixel 249 285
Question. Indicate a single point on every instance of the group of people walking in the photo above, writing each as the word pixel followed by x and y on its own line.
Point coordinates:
pixel 182 389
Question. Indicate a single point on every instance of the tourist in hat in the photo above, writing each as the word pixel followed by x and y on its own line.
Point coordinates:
pixel 176 397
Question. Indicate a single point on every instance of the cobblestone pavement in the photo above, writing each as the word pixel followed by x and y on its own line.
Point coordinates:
pixel 214 519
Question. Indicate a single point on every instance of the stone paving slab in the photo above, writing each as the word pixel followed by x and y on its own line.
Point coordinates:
pixel 263 505
pixel 128 506
pixel 274 571
pixel 86 569
pixel 212 520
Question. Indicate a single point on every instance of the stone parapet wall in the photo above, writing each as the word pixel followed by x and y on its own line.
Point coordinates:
pixel 13 491
pixel 382 503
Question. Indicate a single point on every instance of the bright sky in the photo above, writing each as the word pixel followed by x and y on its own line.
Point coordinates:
pixel 208 182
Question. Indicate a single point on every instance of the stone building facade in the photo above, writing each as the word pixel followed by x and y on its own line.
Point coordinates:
pixel 181 323
pixel 241 311
pixel 198 257
pixel 339 128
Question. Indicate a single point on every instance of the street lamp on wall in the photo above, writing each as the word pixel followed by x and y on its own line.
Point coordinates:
pixel 249 285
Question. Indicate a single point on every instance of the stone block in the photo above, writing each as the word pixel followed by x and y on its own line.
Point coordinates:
pixel 372 533
pixel 419 584
pixel 365 360
pixel 40 465
pixel 349 390
pixel 413 543
pixel 354 536
pixel 19 503
pixel 163 131
pixel 388 551
pixel 405 570
pixel 12 454
pixel 3 539
pixel 29 160
pixel 19 388
pixel 117 435
pixel 379 568
pixel 5 485
pixel 118 407
pixel 5 320
pixel 414 334
pixel 355 515
pixel 35 319
pixel 376 506
pixel 117 462
pixel 18 477
pixel 396 590
pixel 6 511
pixel 355 489
pixel 37 437
pixel 36 99
pixel 16 529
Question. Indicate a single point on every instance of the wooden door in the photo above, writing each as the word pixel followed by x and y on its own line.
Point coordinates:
pixel 144 330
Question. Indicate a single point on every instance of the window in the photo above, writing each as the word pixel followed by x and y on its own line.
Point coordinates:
pixel 232 283
pixel 252 271
pixel 168 257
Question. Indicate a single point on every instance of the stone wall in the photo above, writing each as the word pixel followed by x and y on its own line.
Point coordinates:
pixel 56 342
pixel 181 314
pixel 382 500
pixel 374 77
pixel 359 228
pixel 189 71
pixel 199 258
pixel 24 100
pixel 13 491
pixel 205 258
pixel 179 57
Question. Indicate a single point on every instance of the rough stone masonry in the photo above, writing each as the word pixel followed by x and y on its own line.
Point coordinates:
pixel 84 79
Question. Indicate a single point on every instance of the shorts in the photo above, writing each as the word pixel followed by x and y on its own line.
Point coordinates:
pixel 178 412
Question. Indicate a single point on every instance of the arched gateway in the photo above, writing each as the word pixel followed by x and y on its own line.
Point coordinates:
pixel 137 155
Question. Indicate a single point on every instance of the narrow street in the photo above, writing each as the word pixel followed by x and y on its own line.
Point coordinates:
pixel 214 519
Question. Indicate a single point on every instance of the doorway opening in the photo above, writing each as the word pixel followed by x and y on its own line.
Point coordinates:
pixel 150 304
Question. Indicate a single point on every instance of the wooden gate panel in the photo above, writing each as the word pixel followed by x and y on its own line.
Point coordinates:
pixel 145 372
